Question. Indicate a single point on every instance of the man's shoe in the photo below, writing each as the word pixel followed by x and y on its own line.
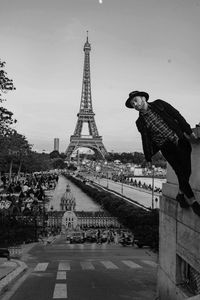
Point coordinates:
pixel 196 208
pixel 182 201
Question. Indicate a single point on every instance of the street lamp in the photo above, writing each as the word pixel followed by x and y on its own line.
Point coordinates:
pixel 98 170
pixel 122 190
pixel 153 186
pixel 51 224
pixel 107 180
pixel 106 169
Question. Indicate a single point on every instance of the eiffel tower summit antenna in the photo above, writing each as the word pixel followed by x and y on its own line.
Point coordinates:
pixel 86 115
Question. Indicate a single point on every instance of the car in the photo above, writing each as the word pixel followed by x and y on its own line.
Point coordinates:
pixel 4 252
pixel 76 237
pixel 104 237
pixel 143 240
pixel 91 237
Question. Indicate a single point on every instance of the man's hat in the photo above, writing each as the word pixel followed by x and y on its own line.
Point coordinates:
pixel 133 94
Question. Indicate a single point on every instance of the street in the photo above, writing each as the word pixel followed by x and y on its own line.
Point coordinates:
pixel 142 196
pixel 86 272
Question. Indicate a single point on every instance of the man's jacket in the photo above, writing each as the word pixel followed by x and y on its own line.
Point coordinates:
pixel 172 118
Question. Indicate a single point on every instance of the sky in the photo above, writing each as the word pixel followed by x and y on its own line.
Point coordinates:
pixel 145 45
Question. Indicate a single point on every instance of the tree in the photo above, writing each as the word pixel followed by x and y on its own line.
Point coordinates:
pixel 54 154
pixel 6 117
pixel 14 147
pixel 36 162
pixel 58 163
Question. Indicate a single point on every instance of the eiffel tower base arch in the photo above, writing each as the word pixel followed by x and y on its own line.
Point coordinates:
pixel 95 144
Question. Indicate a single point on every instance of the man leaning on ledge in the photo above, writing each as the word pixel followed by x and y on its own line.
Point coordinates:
pixel 164 129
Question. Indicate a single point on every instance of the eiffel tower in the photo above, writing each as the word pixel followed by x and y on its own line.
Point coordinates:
pixel 86 115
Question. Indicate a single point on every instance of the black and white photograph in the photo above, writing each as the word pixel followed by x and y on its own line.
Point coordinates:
pixel 99 149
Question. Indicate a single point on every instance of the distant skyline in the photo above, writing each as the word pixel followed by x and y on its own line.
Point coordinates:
pixel 148 45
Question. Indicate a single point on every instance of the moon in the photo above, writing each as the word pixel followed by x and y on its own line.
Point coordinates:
pixel 100 1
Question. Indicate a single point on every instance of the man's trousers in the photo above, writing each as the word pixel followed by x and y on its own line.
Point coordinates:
pixel 179 157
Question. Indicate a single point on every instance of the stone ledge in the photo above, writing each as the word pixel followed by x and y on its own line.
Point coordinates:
pixel 170 207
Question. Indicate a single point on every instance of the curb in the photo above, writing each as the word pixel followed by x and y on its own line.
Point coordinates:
pixel 5 281
pixel 152 254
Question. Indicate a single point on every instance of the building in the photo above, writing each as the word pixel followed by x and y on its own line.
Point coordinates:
pixel 68 201
pixel 81 220
pixel 56 144
pixel 68 218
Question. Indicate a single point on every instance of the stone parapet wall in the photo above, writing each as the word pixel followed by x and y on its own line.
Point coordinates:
pixel 179 245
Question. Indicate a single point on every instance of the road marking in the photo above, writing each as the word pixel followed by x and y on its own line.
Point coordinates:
pixel 93 246
pixel 81 246
pixel 104 246
pixel 61 275
pixel 150 263
pixel 41 267
pixel 87 265
pixel 60 291
pixel 109 264
pixel 131 264
pixel 64 266
pixel 71 246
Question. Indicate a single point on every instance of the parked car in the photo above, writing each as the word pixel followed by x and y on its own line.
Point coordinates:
pixel 91 237
pixel 76 237
pixel 127 241
pixel 143 240
pixel 104 237
pixel 4 252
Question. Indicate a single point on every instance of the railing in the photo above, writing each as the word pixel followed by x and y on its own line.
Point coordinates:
pixel 15 251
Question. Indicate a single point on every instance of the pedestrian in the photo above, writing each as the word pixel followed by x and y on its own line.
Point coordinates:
pixel 164 129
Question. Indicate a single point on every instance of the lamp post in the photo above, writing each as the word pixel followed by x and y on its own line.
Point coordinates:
pixel 51 224
pixel 98 170
pixel 106 169
pixel 153 186
pixel 122 188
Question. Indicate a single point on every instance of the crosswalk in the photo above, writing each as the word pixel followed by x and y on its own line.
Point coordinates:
pixel 92 246
pixel 60 291
pixel 64 266
pixel 61 284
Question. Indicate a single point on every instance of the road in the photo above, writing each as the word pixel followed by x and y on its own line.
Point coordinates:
pixel 142 196
pixel 87 272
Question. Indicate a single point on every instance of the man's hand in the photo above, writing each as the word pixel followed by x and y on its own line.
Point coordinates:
pixel 191 137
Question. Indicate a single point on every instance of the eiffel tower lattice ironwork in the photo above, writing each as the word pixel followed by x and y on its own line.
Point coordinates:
pixel 86 115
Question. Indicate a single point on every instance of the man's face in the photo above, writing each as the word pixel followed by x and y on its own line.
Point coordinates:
pixel 138 102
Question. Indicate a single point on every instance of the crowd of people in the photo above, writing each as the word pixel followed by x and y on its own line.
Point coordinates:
pixel 145 186
pixel 137 183
pixel 26 191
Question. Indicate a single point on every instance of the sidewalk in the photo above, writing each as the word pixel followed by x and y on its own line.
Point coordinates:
pixel 13 268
